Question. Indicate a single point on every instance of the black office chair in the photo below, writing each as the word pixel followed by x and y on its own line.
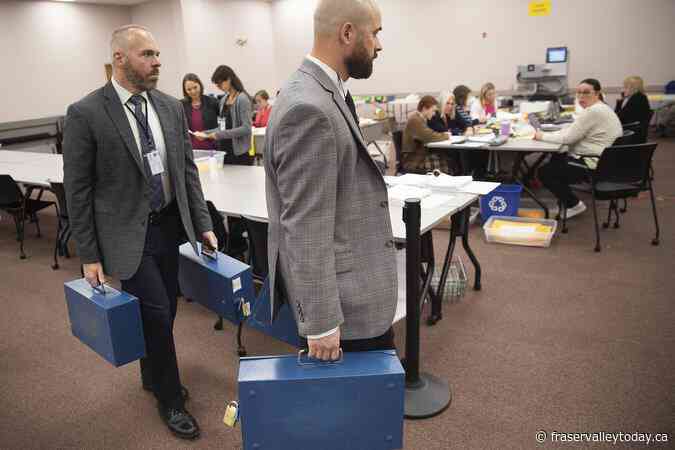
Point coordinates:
pixel 21 207
pixel 622 172
pixel 63 231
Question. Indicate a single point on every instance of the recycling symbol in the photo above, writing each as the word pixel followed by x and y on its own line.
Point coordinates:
pixel 497 204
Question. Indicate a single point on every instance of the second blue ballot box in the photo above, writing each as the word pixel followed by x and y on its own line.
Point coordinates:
pixel 106 320
pixel 284 327
pixel 222 285
pixel 289 402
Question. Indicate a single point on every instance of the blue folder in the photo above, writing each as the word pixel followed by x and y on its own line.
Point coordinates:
pixel 356 404
pixel 109 323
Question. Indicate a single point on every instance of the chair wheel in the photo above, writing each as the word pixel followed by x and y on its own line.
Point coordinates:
pixel 616 225
pixel 188 300
pixel 218 326
pixel 655 241
pixel 597 249
pixel 565 230
pixel 55 267
pixel 605 225
pixel 22 256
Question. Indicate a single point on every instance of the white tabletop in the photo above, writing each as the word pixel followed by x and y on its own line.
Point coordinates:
pixel 512 145
pixel 32 168
pixel 240 191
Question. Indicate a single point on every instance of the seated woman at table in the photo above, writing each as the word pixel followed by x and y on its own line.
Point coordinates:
pixel 596 128
pixel 477 160
pixel 447 120
pixel 201 111
pixel 415 156
pixel 633 106
pixel 264 109
pixel 485 107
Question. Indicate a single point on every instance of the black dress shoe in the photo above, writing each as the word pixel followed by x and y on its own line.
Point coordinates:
pixel 183 391
pixel 180 422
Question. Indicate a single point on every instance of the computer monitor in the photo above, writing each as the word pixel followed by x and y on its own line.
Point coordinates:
pixel 556 55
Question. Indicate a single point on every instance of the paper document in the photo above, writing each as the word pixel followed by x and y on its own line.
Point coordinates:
pixel 400 193
pixel 434 201
pixel 479 187
pixel 484 138
pixel 442 181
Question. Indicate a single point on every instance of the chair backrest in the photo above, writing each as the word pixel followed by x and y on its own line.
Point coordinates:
pixel 397 138
pixel 60 193
pixel 625 164
pixel 644 127
pixel 10 194
pixel 257 236
pixel 629 137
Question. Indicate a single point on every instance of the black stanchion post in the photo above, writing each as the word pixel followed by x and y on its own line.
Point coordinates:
pixel 425 394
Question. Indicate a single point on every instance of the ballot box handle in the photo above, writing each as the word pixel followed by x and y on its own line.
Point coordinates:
pixel 307 362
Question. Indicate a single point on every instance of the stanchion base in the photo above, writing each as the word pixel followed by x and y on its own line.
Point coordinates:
pixel 430 397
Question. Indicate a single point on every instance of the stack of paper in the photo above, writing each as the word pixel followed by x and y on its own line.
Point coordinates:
pixel 400 193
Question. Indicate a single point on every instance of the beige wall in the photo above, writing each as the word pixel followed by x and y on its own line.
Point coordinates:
pixel 165 19
pixel 211 29
pixel 435 44
pixel 52 54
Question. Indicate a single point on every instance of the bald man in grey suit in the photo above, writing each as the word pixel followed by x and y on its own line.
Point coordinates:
pixel 331 247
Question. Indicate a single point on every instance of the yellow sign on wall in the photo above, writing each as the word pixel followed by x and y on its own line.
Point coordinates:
pixel 540 8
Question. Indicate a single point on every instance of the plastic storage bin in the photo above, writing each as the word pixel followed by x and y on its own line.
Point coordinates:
pixel 520 231
pixel 207 159
pixel 502 201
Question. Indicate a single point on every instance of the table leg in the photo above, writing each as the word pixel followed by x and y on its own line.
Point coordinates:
pixel 437 297
pixel 465 215
pixel 514 176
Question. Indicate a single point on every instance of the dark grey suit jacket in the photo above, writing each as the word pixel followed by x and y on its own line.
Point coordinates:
pixel 330 234
pixel 107 190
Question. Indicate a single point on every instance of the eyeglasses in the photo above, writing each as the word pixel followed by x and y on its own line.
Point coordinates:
pixel 584 93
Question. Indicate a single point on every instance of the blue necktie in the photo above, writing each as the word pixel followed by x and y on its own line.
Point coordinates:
pixel 148 146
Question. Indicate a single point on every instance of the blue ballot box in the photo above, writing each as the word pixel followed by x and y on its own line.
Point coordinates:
pixel 284 327
pixel 109 321
pixel 288 403
pixel 221 285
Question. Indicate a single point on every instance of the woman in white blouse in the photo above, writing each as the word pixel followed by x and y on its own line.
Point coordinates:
pixel 485 107
pixel 596 128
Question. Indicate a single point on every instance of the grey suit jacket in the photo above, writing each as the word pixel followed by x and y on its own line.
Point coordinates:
pixel 107 190
pixel 241 130
pixel 330 237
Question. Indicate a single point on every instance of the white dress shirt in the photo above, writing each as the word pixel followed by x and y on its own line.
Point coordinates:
pixel 332 74
pixel 157 134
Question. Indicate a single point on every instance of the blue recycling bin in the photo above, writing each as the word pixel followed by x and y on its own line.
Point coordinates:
pixel 504 200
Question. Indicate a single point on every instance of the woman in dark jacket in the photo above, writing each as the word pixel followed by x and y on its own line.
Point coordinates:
pixel 201 110
pixel 633 106
pixel 447 120
pixel 476 160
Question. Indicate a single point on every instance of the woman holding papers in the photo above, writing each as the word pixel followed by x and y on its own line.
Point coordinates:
pixel 234 118
pixel 201 111
pixel 416 158
pixel 485 107
pixel 596 128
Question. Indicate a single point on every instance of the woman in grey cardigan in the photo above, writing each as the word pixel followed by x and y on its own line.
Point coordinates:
pixel 233 134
